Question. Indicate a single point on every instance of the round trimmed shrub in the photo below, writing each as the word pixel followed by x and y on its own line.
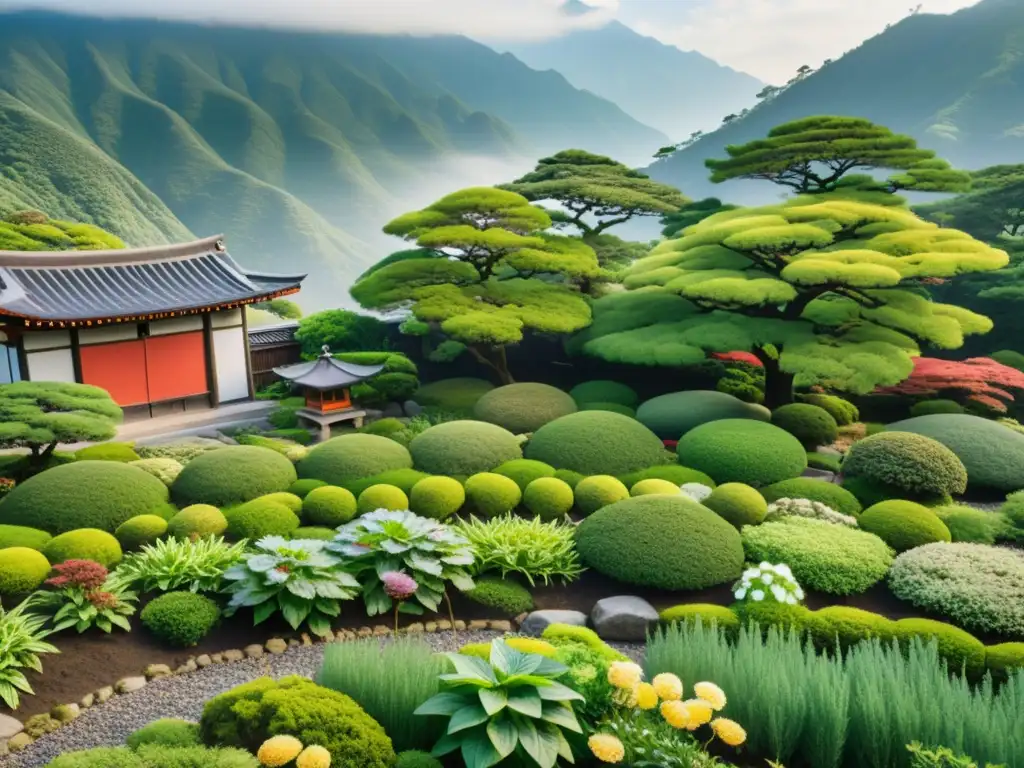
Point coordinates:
pixel 978 587
pixel 742 451
pixel 737 503
pixel 524 471
pixel 400 478
pixel 21 570
pixel 232 476
pixel 903 525
pixel 823 557
pixel 673 415
pixel 869 492
pixel 596 443
pixel 930 407
pixel 180 619
pixel 166 732
pixel 523 408
pixel 84 494
pixel 257 518
pixel 381 497
pixel 463 448
pixel 570 478
pixel 164 470
pixel 98 757
pixel 914 464
pixel 831 495
pixel 605 392
pixel 290 500
pixel 416 759
pixel 351 457
pixel 843 411
pixel 548 498
pixel 197 520
pixel 489 494
pixel 509 597
pixel 329 506
pixel 108 452
pixel 674 473
pixel 811 425
pixel 303 486
pixel 992 454
pixel 624 410
pixel 959 649
pixel 143 529
pixel 654 487
pixel 84 544
pixel 22 536
pixel 786 616
pixel 314 532
pixel 598 491
pixel 1013 509
pixel 1004 659
pixel 666 542
pixel 437 497
pixel 249 714
pixel 708 613
pixel 459 394
pixel 972 525
pixel 849 626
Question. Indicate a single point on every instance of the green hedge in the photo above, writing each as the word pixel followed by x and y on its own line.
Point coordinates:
pixel 673 415
pixel 596 443
pixel 343 459
pixel 914 464
pixel 811 425
pixel 463 448
pixel 523 408
pixel 231 476
pixel 903 525
pixel 960 649
pixel 724 617
pixel 968 524
pixel 742 451
pixel 829 494
pixel 508 597
pixel 846 626
pixel 180 619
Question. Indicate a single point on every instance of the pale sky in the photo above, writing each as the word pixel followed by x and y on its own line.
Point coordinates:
pixel 767 38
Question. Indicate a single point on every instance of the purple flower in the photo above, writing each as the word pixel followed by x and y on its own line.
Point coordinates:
pixel 398 585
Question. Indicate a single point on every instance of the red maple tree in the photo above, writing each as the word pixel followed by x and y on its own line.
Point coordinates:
pixel 738 357
pixel 980 379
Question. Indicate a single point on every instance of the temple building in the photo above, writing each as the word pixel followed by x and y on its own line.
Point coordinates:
pixel 162 329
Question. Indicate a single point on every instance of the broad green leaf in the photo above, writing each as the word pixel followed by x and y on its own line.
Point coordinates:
pixel 294 611
pixel 526 701
pixel 503 734
pixel 472 666
pixel 564 748
pixel 446 744
pixel 549 668
pixel 493 699
pixel 548 737
pixel 467 717
pixel 560 714
pixel 264 611
pixel 444 703
pixel 558 692
pixel 477 750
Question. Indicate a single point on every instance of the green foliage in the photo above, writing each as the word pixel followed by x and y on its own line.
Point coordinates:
pixel 524 471
pixel 992 454
pixel 39 415
pixel 169 564
pixel 509 598
pixel 596 443
pixel 1002 659
pixel 981 588
pixel 83 544
pixel 531 548
pixel 972 525
pixel 180 619
pixel 283 308
pixel 846 626
pixel 382 496
pixel 389 683
pixel 459 395
pixel 692 213
pixel 166 732
pixel 107 452
pixel 249 714
pixel 1013 509
pixel 823 461
pixel 738 504
pixel 674 473
pixel 768 614
pixel 708 614
pixel 396 383
pixel 351 457
pixel 597 491
pixel 823 557
pixel 490 494
pixel 21 570
pixel 744 451
pixel 603 391
pixel 667 542
pixel 302 487
pixel 843 411
pixel 22 536
pixel 164 470
pixel 139 530
pixel 403 479
pixel 655 487
pixel 811 425
pixel 342 331
pixel 463 448
pixel 232 475
pixel 957 648
pixel 929 407
pixel 417 759
pixel 941 758
pixel 1009 357
pixel 437 497
pixel 564 635
pixel 829 494
pixel 87 494
pixel 156 756
pixel 328 505
pixel 258 518
pixel 523 408
pixel 570 478
pixel 293 451
pixel 916 465
pixel 673 415
pixel 197 520
pixel 548 498
pixel 903 525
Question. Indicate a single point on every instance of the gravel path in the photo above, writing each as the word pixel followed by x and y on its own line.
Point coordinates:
pixel 183 696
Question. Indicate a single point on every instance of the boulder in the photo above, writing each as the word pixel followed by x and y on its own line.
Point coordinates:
pixel 254 651
pixel 412 408
pixel 276 645
pixel 9 726
pixel 537 621
pixel 130 684
pixel 819 474
pixel 157 670
pixel 623 618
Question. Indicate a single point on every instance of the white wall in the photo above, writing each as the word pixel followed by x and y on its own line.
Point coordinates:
pixel 46 340
pixel 176 325
pixel 225 319
pixel 109 333
pixel 229 353
pixel 52 365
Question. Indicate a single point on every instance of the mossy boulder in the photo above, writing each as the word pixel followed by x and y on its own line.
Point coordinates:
pixel 673 415
pixel 351 457
pixel 523 408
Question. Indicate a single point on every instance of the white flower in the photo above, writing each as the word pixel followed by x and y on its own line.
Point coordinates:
pixel 779 593
pixel 741 593
pixel 783 570
pixel 799 594
pixel 751 573
pixel 765 566
pixel 767 578
pixel 757 595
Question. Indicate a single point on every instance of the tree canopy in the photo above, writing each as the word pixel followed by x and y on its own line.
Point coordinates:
pixel 813 154
pixel 692 213
pixel 829 291
pixel 993 208
pixel 487 272
pixel 342 331
pixel 595 187
pixel 34 231
pixel 283 308
pixel 980 379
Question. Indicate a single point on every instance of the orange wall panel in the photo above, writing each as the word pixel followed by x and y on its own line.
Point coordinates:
pixel 176 366
pixel 119 368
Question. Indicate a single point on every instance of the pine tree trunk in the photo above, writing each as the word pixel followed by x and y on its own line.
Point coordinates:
pixel 778 385
pixel 495 359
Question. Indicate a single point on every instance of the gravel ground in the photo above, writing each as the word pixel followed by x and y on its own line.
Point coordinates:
pixel 183 696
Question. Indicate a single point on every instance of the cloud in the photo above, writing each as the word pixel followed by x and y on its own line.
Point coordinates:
pixel 772 38
pixel 509 19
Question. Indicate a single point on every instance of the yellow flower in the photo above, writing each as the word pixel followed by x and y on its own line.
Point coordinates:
pixel 728 731
pixel 625 674
pixel 314 756
pixel 700 713
pixel 606 747
pixel 646 697
pixel 675 713
pixel 278 750
pixel 712 694
pixel 625 697
pixel 668 686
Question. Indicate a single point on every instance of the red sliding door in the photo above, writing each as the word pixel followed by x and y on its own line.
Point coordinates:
pixel 148 370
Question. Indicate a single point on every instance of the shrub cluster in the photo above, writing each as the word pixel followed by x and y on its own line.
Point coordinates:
pixel 815 510
pixel 523 408
pixel 742 451
pixel 843 411
pixel 972 525
pixel 508 597
pixel 164 470
pixel 829 494
pixel 351 457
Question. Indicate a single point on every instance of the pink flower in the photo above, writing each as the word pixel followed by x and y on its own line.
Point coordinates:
pixel 86 574
pixel 398 585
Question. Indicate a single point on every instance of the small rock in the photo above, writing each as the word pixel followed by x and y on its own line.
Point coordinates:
pixel 203 660
pixel 623 618
pixel 217 658
pixel 87 701
pixel 412 408
pixel 460 625
pixel 104 694
pixel 19 741
pixel 306 640
pixel 520 619
pixel 188 666
pixel 380 631
pixel 254 651
pixel 233 655
pixel 276 645
pixel 293 643
pixel 430 626
pixel 157 670
pixel 443 625
pixel 9 726
pixel 65 713
pixel 416 628
pixel 129 684
pixel 39 725
pixel 364 632
pixel 4 751
pixel 392 411
pixel 819 474
pixel 537 621
pixel 501 625
pixel 477 624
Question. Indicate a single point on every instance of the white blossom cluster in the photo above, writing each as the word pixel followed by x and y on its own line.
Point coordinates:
pixel 696 491
pixel 807 508
pixel 767 582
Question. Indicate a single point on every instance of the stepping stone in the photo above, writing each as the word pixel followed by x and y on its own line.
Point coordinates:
pixel 9 726
pixel 623 618
pixel 537 621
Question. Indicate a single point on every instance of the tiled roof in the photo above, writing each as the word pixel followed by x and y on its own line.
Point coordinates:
pixel 272 335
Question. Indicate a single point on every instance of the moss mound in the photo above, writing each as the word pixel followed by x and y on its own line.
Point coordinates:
pixel 258 518
pixel 508 597
pixel 831 495
pixel 666 542
pixel 931 407
pixel 351 457
pixel 548 498
pixel 843 411
pixel 232 476
pixel 463 448
pixel 108 452
pixel 738 504
pixel 85 494
pixel 459 395
pixel 960 649
pixel 849 626
pixel 623 410
pixel 524 471
pixel 742 451
pixel 400 478
pixel 84 544
pixel 604 391
pixel 904 525
pixel 314 532
pixel 303 486
pixel 523 408
pixel 437 497
pixel 811 425
pixel 593 493
pixel 674 473
pixel 912 463
pixel 490 495
pixel 197 520
pixel 328 506
pixel 22 570
pixel 673 415
pixel 381 497
pixel 725 618
pixel 22 536
pixel 596 443
pixel 139 530
pixel 654 487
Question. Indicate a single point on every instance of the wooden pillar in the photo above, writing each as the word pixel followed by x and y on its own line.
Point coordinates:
pixel 248 351
pixel 76 355
pixel 211 361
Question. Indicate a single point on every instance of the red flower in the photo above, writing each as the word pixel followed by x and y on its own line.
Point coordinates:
pixel 86 574
pixel 748 358
pixel 979 378
pixel 102 600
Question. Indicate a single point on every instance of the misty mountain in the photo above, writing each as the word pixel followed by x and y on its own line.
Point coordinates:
pixel 954 82
pixel 675 91
pixel 297 146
